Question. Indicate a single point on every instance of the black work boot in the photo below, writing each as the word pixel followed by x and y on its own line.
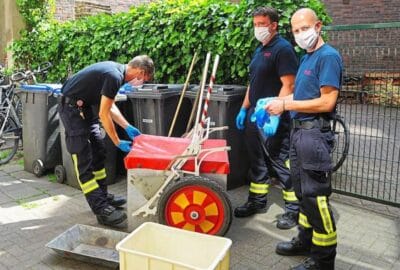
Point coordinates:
pixel 110 216
pixel 249 209
pixel 307 264
pixel 287 221
pixel 292 248
pixel 115 201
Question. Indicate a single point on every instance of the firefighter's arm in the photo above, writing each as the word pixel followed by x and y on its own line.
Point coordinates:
pixel 246 101
pixel 117 116
pixel 106 118
pixel 325 103
pixel 122 122
pixel 287 85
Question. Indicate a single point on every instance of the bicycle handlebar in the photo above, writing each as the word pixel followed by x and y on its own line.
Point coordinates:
pixel 43 67
pixel 28 74
pixel 19 76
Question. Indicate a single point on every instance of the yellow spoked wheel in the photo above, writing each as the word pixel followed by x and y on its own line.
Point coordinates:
pixel 196 204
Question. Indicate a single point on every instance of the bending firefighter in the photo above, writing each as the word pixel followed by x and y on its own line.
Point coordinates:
pixel 272 73
pixel 87 96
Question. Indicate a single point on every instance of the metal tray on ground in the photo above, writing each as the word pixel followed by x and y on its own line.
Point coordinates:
pixel 89 244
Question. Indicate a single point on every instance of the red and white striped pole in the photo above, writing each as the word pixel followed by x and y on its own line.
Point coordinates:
pixel 209 90
pixel 201 89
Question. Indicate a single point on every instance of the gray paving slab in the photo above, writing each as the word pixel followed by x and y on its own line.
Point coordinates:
pixel 19 192
pixel 63 190
pixel 11 168
pixel 24 175
pixel 367 234
pixel 4 198
pixel 7 180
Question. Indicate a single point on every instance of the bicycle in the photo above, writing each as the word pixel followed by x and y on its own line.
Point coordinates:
pixel 340 147
pixel 341 142
pixel 10 125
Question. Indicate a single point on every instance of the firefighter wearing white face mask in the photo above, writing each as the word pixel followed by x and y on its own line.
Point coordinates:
pixel 272 72
pixel 307 39
pixel 262 33
pixel 88 96
pixel 312 105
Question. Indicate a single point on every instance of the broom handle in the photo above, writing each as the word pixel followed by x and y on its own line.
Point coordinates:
pixel 185 86
pixel 196 101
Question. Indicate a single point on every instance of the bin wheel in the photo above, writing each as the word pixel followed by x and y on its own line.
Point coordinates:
pixel 60 173
pixel 38 168
pixel 196 203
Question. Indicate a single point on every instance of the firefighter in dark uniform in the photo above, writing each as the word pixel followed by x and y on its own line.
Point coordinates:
pixel 87 96
pixel 313 103
pixel 272 73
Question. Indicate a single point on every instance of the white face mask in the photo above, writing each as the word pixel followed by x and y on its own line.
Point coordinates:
pixel 307 39
pixel 136 82
pixel 261 33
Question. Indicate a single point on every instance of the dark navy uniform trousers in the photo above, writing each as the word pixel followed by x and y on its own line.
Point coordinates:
pixel 85 144
pixel 311 167
pixel 262 169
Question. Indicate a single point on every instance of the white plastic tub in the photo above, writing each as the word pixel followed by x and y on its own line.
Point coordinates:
pixel 154 246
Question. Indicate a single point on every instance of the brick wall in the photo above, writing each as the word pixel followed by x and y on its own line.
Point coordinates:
pixel 363 11
pixel 84 8
pixel 66 9
pixel 341 11
pixel 123 5
pixel 369 49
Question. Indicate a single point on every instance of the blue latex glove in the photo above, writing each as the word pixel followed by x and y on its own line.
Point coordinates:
pixel 260 116
pixel 240 118
pixel 126 88
pixel 132 132
pixel 262 102
pixel 125 146
pixel 271 126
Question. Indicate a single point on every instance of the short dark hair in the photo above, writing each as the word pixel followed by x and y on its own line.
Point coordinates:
pixel 269 12
pixel 143 62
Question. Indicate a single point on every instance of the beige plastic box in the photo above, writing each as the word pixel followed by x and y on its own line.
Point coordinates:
pixel 153 246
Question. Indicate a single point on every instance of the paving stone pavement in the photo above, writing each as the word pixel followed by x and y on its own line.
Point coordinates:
pixel 34 210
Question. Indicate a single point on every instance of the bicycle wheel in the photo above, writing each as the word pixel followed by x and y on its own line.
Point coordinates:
pixel 9 139
pixel 341 142
pixel 196 203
